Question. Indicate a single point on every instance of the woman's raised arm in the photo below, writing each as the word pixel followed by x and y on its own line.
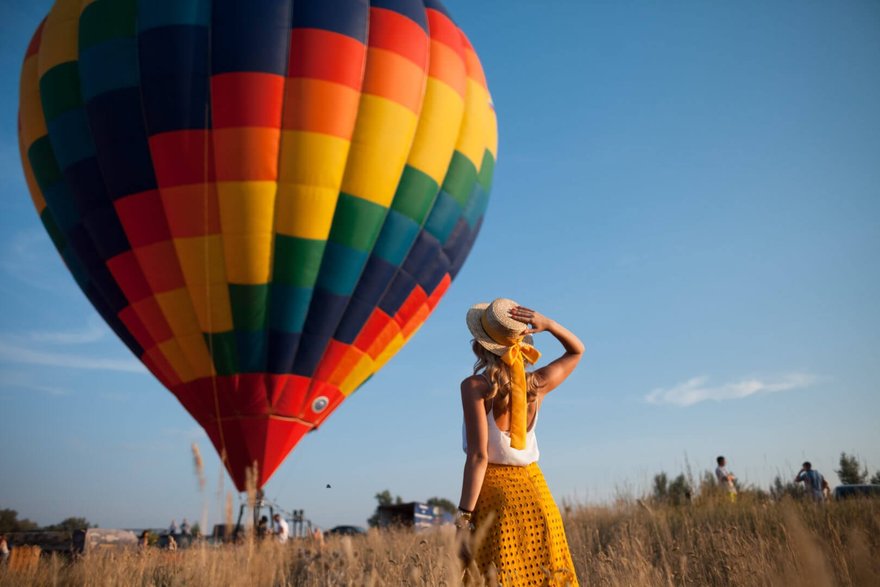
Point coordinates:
pixel 550 376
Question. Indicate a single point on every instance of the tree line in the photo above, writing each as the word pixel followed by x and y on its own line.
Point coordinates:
pixel 10 522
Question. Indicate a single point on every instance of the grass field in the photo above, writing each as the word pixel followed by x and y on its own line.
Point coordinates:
pixel 708 542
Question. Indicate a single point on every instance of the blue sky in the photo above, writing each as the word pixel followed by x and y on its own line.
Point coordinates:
pixel 692 187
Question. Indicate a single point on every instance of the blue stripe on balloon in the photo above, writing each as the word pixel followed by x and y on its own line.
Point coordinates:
pixel 159 13
pixel 70 136
pixel 174 78
pixel 397 235
pixel 282 349
pixel 373 283
pixel 288 307
pixel 412 9
pixel 60 201
pixel 340 268
pixel 346 17
pixel 436 5
pixel 251 348
pixel 250 37
pixel 443 216
pixel 108 66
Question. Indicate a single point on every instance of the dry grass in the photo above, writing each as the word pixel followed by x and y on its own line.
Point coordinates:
pixel 710 542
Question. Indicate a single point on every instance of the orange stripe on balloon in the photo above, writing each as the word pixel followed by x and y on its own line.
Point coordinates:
pixel 34 45
pixel 128 275
pixel 136 328
pixel 154 357
pixel 448 67
pixel 395 78
pixel 383 339
pixel 192 210
pixel 159 264
pixel 345 364
pixel 142 218
pixel 246 99
pixel 475 70
pixel 410 307
pixel 246 154
pixel 320 106
pixel 444 31
pixel 179 157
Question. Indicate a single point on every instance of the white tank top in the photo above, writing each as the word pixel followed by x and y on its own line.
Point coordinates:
pixel 499 449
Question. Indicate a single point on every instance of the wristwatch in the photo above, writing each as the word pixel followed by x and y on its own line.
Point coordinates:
pixel 463 520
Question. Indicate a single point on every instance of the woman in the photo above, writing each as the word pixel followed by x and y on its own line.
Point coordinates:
pixel 504 496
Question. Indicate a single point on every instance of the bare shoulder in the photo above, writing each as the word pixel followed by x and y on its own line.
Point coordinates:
pixel 474 387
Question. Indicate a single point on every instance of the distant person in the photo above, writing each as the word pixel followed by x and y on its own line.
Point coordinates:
pixel 263 527
pixel 725 478
pixel 282 531
pixel 144 540
pixel 317 536
pixel 4 549
pixel 813 481
pixel 172 543
pixel 172 529
pixel 504 495
pixel 185 528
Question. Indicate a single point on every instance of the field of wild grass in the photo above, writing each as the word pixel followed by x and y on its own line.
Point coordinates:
pixel 708 542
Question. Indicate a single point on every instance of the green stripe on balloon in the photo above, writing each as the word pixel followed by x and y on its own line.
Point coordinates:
pixel 223 352
pixel 415 194
pixel 105 19
pixel 357 222
pixel 460 178
pixel 59 90
pixel 297 260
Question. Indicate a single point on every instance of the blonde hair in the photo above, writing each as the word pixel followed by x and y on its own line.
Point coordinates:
pixel 497 374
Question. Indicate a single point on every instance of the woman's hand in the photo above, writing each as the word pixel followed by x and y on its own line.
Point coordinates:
pixel 538 322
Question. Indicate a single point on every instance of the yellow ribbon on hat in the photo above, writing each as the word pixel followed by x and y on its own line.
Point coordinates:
pixel 516 355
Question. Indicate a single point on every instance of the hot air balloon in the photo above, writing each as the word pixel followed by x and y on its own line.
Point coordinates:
pixel 263 200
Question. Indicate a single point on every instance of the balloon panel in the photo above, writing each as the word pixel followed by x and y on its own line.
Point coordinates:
pixel 263 201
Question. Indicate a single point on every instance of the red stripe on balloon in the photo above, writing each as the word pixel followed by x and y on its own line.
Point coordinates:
pixel 246 99
pixel 320 54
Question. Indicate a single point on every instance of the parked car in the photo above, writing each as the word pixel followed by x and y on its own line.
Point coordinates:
pixel 345 531
pixel 862 490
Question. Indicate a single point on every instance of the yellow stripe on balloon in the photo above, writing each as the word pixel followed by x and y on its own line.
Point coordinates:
pixel 439 123
pixel 59 41
pixel 362 369
pixel 212 307
pixel 379 148
pixel 34 189
pixel 30 106
pixel 492 143
pixel 177 309
pixel 475 127
pixel 204 271
pixel 312 166
pixel 393 347
pixel 248 258
pixel 246 206
pixel 246 210
pixel 172 352
pixel 195 350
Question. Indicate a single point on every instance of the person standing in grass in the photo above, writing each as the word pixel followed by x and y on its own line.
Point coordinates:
pixel 504 497
pixel 725 478
pixel 282 531
pixel 4 549
pixel 813 481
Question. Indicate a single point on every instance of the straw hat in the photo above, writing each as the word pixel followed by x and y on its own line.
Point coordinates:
pixel 493 327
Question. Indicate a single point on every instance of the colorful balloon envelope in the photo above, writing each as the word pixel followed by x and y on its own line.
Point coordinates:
pixel 264 200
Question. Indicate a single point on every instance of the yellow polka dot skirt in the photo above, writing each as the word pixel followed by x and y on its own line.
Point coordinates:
pixel 520 536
